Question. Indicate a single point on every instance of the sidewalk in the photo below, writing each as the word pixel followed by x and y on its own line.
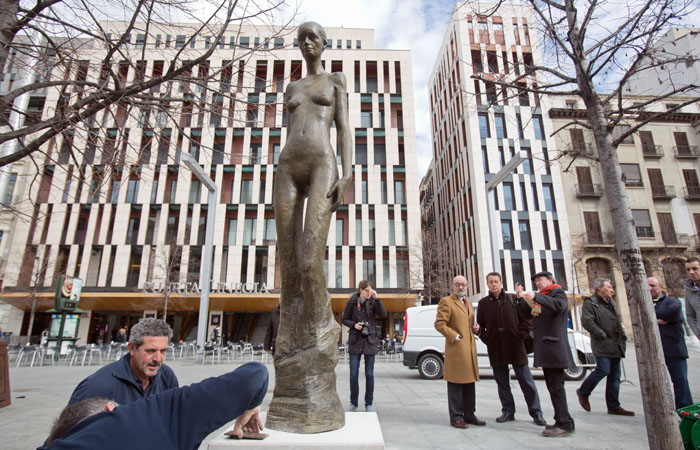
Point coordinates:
pixel 412 411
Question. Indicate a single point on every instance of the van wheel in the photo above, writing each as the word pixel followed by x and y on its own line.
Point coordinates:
pixel 575 374
pixel 430 367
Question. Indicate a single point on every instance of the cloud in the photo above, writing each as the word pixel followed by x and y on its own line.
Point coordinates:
pixel 415 25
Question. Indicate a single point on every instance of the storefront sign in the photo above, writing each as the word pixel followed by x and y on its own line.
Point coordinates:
pixel 192 288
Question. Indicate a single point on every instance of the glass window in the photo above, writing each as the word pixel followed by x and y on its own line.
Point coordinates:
pixel 484 131
pixel 339 232
pixel 248 231
pixel 508 197
pixel 364 191
pixel 525 238
pixel 270 230
pixel 180 41
pixel 246 191
pixel 368 271
pixel 392 233
pixel 358 231
pixel 366 119
pixel 361 154
pixel 232 229
pixel 399 197
pixel 195 191
pixel 384 193
pixel 132 191
pixel 642 223
pixel 500 123
pixel 507 233
pixel 548 193
pixel 537 127
pixel 631 175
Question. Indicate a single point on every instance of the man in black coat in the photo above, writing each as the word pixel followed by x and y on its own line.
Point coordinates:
pixel 608 340
pixel 504 327
pixel 359 316
pixel 272 327
pixel 549 308
pixel 669 315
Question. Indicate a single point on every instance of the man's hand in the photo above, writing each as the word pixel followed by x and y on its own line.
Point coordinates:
pixel 662 322
pixel 372 293
pixel 529 298
pixel 475 328
pixel 518 290
pixel 458 338
pixel 358 326
pixel 249 421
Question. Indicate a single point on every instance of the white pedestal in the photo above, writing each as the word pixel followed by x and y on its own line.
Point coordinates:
pixel 361 431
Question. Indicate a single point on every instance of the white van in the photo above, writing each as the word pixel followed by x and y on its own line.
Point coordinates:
pixel 424 347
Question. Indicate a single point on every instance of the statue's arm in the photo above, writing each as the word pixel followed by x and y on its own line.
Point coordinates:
pixel 337 191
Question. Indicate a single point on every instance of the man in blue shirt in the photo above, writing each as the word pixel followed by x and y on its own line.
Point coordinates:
pixel 139 374
pixel 177 419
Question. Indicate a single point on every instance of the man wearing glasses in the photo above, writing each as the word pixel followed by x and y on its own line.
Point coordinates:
pixel 455 321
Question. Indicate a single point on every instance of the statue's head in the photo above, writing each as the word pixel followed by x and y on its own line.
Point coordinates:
pixel 311 32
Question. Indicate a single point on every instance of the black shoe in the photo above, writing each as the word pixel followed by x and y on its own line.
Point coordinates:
pixel 539 420
pixel 583 400
pixel 505 417
pixel 473 420
pixel 549 427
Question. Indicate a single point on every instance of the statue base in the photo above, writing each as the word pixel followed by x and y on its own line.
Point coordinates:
pixel 305 399
pixel 361 431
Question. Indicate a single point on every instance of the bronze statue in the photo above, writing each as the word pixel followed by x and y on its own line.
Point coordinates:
pixel 305 398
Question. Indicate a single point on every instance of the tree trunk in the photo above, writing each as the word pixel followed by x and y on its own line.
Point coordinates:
pixel 659 409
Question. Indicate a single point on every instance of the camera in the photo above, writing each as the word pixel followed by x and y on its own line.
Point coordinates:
pixel 365 329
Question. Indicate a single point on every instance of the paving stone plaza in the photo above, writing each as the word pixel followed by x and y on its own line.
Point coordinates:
pixel 412 411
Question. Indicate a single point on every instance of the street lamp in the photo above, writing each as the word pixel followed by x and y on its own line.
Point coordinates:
pixel 198 171
pixel 497 179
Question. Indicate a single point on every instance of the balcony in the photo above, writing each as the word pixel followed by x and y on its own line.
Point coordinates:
pixel 645 232
pixel 588 190
pixel 652 151
pixel 691 193
pixel 679 240
pixel 661 192
pixel 598 239
pixel 686 151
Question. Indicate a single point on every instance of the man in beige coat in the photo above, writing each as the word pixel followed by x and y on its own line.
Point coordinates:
pixel 455 321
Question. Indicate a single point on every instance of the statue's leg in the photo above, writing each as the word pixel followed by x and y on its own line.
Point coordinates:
pixel 305 398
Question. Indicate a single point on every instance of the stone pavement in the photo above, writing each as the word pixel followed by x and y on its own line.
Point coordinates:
pixel 412 411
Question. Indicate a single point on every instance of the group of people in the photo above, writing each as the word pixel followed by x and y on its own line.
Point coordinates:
pixel 506 322
pixel 136 401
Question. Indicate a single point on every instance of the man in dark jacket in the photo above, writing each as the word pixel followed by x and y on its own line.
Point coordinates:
pixel 173 419
pixel 138 374
pixel 669 315
pixel 272 327
pixel 504 326
pixel 608 339
pixel 549 308
pixel 359 316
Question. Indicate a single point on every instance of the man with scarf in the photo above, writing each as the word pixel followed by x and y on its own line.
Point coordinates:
pixel 359 316
pixel 692 294
pixel 549 308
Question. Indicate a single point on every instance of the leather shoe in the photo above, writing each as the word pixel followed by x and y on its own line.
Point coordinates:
pixel 475 421
pixel 539 420
pixel 556 432
pixel 550 426
pixel 583 400
pixel 505 417
pixel 459 423
pixel 620 412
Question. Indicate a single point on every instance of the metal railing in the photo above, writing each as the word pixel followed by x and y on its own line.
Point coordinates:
pixel 588 190
pixel 652 151
pixel 686 151
pixel 659 191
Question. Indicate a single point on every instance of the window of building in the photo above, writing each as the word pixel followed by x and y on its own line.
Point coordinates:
pixel 631 175
pixel 246 191
pixel 132 190
pixel 360 153
pixel 340 232
pixel 537 127
pixel 249 231
pixel 180 41
pixel 548 193
pixel 484 130
pixel 132 277
pixel 245 42
pixel 399 193
pixel 507 234
pixel 508 196
pixel 500 123
pixel 525 236
pixel 619 130
pixel 642 223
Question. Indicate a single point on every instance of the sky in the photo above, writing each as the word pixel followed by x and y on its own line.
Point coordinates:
pixel 415 25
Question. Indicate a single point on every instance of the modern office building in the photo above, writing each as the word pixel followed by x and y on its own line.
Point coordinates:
pixel 660 166
pixel 477 127
pixel 110 202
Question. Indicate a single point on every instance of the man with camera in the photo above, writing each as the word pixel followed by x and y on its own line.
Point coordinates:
pixel 359 316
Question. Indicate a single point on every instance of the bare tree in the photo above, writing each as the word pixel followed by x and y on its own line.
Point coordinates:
pixel 593 50
pixel 48 39
pixel 167 263
pixel 433 267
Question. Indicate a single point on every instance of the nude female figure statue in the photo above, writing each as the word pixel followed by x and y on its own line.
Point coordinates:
pixel 306 353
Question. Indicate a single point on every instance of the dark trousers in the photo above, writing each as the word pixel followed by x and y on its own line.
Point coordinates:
pixel 461 400
pixel 554 378
pixel 527 385
pixel 355 375
pixel 678 369
pixel 604 367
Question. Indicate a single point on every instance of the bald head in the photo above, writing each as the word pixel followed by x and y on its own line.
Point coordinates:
pixel 655 287
pixel 459 286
